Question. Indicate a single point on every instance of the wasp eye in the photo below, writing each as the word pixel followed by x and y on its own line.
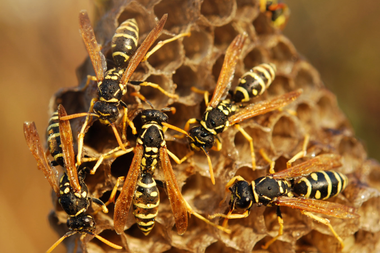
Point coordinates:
pixel 269 188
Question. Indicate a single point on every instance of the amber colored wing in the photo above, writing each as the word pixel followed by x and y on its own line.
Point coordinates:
pixel 68 149
pixel 263 107
pixel 34 143
pixel 318 206
pixel 142 50
pixel 228 69
pixel 124 201
pixel 93 49
pixel 177 202
pixel 321 162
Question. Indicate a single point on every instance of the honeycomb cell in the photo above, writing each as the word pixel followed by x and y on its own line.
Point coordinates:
pixel 283 55
pixel 255 57
pixel 157 98
pixel 285 135
pixel 224 35
pixel 247 10
pixel 197 46
pixel 169 57
pixel 306 76
pixel 218 12
pixel 180 14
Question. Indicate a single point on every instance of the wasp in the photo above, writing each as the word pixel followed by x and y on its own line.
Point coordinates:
pixel 303 186
pixel 139 187
pixel 223 113
pixel 112 83
pixel 71 190
pixel 277 11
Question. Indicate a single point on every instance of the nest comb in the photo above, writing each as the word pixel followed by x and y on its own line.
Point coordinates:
pixel 196 61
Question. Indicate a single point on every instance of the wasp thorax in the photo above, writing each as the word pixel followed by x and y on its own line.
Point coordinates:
pixel 81 222
pixel 241 196
pixel 108 112
pixel 153 115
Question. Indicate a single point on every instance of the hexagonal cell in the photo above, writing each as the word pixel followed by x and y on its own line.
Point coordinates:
pixel 353 152
pixel 255 57
pixel 218 12
pixel 263 25
pixel 224 35
pixel 185 78
pixel 145 20
pixel 169 57
pixel 280 85
pixel 247 10
pixel 156 97
pixel 198 46
pixel 285 135
pixel 284 55
pixel 305 76
pixel 306 115
pixel 326 106
pixel 180 13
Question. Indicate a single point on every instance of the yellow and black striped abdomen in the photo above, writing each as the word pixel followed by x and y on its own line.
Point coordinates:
pixel 320 185
pixel 54 140
pixel 145 203
pixel 254 82
pixel 125 41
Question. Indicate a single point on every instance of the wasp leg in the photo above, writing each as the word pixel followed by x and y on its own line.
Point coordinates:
pixel 89 79
pixel 163 42
pixel 191 211
pixel 301 153
pixel 204 92
pixel 114 153
pixel 176 159
pixel 249 138
pixel 270 161
pixel 113 193
pixel 100 203
pixel 187 127
pixel 130 123
pixel 218 146
pixel 229 216
pixel 82 132
pixel 156 86
pixel 326 222
pixel 280 230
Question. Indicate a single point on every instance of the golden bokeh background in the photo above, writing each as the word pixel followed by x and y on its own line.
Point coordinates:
pixel 41 48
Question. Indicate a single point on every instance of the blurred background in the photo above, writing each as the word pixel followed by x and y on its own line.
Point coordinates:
pixel 41 49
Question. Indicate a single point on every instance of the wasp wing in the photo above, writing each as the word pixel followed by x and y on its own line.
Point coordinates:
pixel 141 51
pixel 124 201
pixel 321 162
pixel 177 202
pixel 93 49
pixel 228 69
pixel 34 143
pixel 68 149
pixel 263 107
pixel 318 206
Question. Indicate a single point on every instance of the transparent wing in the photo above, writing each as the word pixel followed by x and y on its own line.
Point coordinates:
pixel 68 149
pixel 142 50
pixel 322 162
pixel 124 201
pixel 178 204
pixel 263 107
pixel 228 69
pixel 318 206
pixel 34 143
pixel 93 49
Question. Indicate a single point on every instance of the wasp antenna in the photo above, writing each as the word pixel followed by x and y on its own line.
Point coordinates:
pixel 68 234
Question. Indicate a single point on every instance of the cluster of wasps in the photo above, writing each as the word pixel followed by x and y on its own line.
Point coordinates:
pixel 304 186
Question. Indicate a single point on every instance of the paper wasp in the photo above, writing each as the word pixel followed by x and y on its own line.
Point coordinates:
pixel 303 186
pixel 223 113
pixel 112 83
pixel 139 187
pixel 71 190
pixel 277 11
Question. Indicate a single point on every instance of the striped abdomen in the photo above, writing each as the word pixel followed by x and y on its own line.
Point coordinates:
pixel 254 82
pixel 54 140
pixel 124 42
pixel 320 185
pixel 145 203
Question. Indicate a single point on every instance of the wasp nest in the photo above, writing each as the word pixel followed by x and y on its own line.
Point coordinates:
pixel 196 61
